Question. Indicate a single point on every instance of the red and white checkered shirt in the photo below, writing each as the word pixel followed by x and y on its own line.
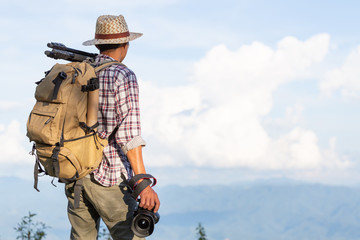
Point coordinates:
pixel 118 107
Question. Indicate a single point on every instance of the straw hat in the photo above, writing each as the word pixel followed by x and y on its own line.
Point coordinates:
pixel 112 30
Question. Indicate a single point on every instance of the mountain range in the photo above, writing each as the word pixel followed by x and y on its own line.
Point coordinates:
pixel 265 210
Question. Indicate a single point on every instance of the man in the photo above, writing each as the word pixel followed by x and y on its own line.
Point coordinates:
pixel 104 195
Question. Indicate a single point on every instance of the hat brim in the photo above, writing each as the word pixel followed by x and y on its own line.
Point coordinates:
pixel 95 41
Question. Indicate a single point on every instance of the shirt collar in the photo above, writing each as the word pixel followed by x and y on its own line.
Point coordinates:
pixel 103 58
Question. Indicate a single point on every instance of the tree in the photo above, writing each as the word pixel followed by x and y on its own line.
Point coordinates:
pixel 201 232
pixel 27 229
pixel 104 234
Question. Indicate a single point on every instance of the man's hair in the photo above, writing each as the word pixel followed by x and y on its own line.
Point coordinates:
pixel 105 47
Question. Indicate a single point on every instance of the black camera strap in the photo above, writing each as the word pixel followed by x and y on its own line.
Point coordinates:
pixel 137 188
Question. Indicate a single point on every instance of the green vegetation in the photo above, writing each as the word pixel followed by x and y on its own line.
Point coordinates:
pixel 201 232
pixel 27 229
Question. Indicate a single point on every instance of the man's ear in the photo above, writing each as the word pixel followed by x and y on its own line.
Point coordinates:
pixel 124 46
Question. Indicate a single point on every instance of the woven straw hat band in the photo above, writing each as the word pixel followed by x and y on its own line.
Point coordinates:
pixel 112 36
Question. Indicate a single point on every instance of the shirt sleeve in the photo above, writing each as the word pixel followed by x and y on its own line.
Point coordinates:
pixel 128 135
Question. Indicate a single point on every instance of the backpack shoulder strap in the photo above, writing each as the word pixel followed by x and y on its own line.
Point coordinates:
pixel 107 64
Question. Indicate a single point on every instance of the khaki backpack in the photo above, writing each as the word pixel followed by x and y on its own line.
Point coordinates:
pixel 63 122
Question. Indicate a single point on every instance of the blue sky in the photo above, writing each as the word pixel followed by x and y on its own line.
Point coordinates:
pixel 249 89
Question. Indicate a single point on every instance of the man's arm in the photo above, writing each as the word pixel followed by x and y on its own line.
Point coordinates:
pixel 149 198
pixel 127 95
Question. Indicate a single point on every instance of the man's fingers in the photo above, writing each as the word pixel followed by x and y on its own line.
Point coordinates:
pixel 157 204
pixel 143 202
pixel 151 204
pixel 146 203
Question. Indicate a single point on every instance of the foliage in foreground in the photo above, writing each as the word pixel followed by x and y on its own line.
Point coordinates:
pixel 200 231
pixel 27 229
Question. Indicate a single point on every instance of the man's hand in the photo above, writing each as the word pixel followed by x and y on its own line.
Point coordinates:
pixel 149 199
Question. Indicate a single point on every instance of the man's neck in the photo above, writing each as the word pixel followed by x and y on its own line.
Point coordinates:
pixel 115 54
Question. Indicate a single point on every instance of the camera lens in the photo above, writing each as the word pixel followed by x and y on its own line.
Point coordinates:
pixel 143 224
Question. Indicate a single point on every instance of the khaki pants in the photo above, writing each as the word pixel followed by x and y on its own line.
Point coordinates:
pixel 113 204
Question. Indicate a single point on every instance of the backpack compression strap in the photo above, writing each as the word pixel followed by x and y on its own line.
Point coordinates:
pixel 87 128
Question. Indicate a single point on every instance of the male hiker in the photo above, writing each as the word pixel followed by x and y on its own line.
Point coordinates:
pixel 104 195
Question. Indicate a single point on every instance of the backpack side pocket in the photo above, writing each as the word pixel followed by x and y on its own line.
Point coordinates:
pixel 44 123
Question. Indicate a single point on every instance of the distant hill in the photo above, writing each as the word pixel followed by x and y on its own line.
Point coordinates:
pixel 265 210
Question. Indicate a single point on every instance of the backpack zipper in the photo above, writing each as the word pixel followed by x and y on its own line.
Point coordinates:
pixel 49 120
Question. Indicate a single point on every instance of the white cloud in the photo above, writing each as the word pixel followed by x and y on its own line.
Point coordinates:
pixel 12 140
pixel 216 119
pixel 14 158
pixel 6 105
pixel 345 78
pixel 299 149
pixel 293 116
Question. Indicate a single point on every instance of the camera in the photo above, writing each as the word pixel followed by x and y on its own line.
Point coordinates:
pixel 144 222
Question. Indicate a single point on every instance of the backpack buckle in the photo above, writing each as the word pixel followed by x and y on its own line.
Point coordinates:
pixel 92 85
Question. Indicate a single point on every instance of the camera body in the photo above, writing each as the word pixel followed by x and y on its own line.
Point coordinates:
pixel 144 222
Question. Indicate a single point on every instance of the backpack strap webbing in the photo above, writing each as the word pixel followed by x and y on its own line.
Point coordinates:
pixel 78 188
pixel 55 159
pixel 37 168
pixel 107 64
pixel 87 128
pixel 57 82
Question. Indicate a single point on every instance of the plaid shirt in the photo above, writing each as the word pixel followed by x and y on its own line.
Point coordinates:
pixel 118 108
